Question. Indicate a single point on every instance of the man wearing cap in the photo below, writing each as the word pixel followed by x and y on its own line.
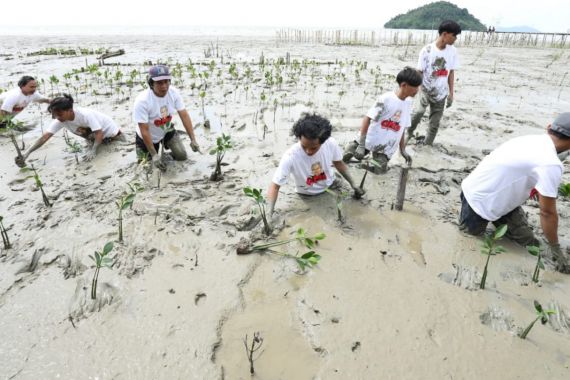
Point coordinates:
pixel 14 101
pixel 502 182
pixel 153 112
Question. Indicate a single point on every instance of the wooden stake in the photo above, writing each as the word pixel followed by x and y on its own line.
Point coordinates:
pixel 402 188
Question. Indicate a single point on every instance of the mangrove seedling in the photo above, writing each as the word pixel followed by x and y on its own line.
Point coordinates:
pixel 541 314
pixel 251 349
pixel 338 202
pixel 223 143
pixel 490 248
pixel 4 234
pixel 535 251
pixel 564 190
pixel 73 147
pixel 307 260
pixel 11 125
pixel 124 202
pixel 260 200
pixel 101 259
pixel 39 183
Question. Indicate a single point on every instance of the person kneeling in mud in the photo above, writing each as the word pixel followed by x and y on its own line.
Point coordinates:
pixel 310 161
pixel 14 101
pixel 152 114
pixel 92 125
pixel 382 130
pixel 498 187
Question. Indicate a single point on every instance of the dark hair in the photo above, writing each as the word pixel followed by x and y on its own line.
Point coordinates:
pixel 61 103
pixel 312 126
pixel 449 27
pixel 410 76
pixel 25 80
pixel 150 82
pixel 560 135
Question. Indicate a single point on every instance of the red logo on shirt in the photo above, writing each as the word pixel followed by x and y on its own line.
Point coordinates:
pixel 318 174
pixel 161 122
pixel 391 125
pixel 17 109
pixel 440 73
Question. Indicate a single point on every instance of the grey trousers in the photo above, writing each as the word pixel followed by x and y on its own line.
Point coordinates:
pixel 435 114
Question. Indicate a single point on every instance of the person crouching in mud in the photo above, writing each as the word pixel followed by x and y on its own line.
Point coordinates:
pixel 501 184
pixel 153 112
pixel 84 122
pixel 310 161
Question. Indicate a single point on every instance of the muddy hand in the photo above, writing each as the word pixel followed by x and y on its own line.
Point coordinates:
pixel 407 157
pixel 20 161
pixel 449 102
pixel 195 147
pixel 562 264
pixel 360 152
pixel 358 192
pixel 158 163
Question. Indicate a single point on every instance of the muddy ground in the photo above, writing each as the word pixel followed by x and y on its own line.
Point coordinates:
pixel 395 295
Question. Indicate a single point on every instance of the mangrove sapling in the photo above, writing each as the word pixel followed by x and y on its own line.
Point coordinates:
pixel 564 190
pixel 260 200
pixel 223 143
pixel 39 183
pixel 535 251
pixel 490 248
pixel 543 315
pixel 12 125
pixel 250 350
pixel 338 202
pixel 126 201
pixel 4 234
pixel 73 147
pixel 307 260
pixel 101 260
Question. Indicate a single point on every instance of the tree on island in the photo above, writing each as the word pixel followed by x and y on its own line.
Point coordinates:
pixel 431 15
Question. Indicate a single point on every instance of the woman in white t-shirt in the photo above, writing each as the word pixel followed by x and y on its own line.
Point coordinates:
pixel 14 101
pixel 89 124
pixel 310 161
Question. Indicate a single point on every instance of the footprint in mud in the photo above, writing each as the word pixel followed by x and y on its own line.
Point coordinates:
pixel 464 277
pixel 82 305
pixel 498 319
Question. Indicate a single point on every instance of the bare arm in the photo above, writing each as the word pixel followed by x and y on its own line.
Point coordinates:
pixel 99 137
pixel 549 218
pixel 364 126
pixel 187 122
pixel 272 194
pixel 451 83
pixel 147 138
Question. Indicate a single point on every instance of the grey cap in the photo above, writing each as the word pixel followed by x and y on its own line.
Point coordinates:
pixel 562 124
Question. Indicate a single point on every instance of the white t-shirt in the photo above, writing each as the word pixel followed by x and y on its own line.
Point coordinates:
pixel 85 122
pixel 14 101
pixel 389 117
pixel 312 174
pixel 435 65
pixel 157 112
pixel 504 179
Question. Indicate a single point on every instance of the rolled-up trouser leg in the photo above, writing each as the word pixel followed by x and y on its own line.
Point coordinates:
pixel 382 159
pixel 176 147
pixel 349 151
pixel 420 107
pixel 518 229
pixel 435 114
pixel 469 220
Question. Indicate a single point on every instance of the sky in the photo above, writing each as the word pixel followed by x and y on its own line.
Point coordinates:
pixel 545 15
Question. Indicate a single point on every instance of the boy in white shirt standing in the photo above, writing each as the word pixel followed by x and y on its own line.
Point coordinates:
pixel 382 131
pixel 84 122
pixel 310 161
pixel 437 62
pixel 153 112
pixel 14 101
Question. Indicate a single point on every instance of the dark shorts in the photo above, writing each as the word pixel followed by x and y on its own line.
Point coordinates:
pixel 518 228
pixel 141 147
